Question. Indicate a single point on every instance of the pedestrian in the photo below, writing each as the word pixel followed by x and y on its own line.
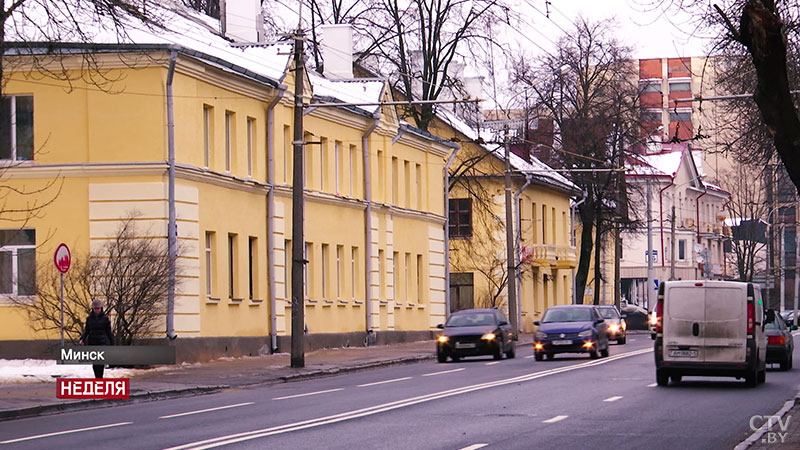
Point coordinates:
pixel 97 332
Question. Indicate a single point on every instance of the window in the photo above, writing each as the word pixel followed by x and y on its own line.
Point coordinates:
pixel 682 86
pixel 407 183
pixel 287 268
pixel 534 224
pixel 208 135
pixel 395 179
pixel 650 116
pixel 18 262
pixel 308 161
pixel 323 162
pixel 16 137
pixel 232 267
pixel 381 176
pixel 354 269
pixel 553 236
pixel 395 275
pixel 460 217
pixel 337 160
pixel 251 136
pixel 381 275
pixel 252 259
pixel 307 269
pixel 353 171
pixel 229 139
pixel 339 270
pixel 420 284
pixel 461 291
pixel 418 187
pixel 544 224
pixel 210 263
pixel 405 276
pixel 682 250
pixel 288 153
pixel 650 85
pixel 680 116
pixel 324 257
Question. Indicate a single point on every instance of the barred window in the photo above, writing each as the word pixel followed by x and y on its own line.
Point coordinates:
pixel 460 217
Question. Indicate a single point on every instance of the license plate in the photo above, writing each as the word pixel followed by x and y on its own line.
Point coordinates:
pixel 465 345
pixel 567 342
pixel 683 353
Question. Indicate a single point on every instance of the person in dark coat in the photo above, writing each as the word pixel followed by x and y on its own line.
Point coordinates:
pixel 97 332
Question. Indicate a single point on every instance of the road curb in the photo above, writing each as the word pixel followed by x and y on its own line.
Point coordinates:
pixel 757 434
pixel 53 408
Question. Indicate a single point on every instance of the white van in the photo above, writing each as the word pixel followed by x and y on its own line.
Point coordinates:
pixel 710 328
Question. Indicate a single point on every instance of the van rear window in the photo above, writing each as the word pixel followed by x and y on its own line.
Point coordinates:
pixel 685 303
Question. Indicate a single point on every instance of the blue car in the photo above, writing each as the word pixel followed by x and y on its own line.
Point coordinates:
pixel 571 329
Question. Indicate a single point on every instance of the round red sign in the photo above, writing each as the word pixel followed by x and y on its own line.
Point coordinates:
pixel 62 258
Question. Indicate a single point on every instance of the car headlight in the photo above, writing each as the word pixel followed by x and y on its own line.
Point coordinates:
pixel 540 335
pixel 586 333
pixel 488 337
pixel 624 325
pixel 443 339
pixel 613 328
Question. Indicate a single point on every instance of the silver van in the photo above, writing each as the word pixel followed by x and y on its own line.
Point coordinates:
pixel 710 328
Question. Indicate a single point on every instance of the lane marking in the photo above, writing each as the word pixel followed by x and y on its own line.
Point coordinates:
pixel 492 363
pixel 443 372
pixel 529 357
pixel 205 410
pixel 58 433
pixel 307 394
pixel 377 409
pixel 555 419
pixel 474 447
pixel 652 385
pixel 613 399
pixel 384 382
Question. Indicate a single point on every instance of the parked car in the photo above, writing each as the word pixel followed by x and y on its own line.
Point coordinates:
pixel 780 343
pixel 710 328
pixel 617 327
pixel 788 317
pixel 475 332
pixel 571 329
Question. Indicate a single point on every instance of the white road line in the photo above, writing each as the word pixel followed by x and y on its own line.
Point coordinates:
pixel 384 382
pixel 205 410
pixel 58 433
pixel 397 404
pixel 613 399
pixel 474 447
pixel 442 372
pixel 529 357
pixel 652 385
pixel 555 419
pixel 492 363
pixel 307 394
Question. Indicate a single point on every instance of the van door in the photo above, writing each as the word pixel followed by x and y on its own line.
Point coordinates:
pixel 684 313
pixel 725 327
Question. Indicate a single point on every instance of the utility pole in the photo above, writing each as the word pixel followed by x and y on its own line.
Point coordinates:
pixel 672 243
pixel 797 257
pixel 298 239
pixel 650 278
pixel 512 272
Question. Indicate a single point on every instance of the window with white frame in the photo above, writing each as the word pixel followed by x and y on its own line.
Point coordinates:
pixel 307 270
pixel 207 134
pixel 251 136
pixel 16 130
pixel 339 270
pixel 337 156
pixel 324 257
pixel 18 262
pixel 209 263
pixel 229 137
pixel 354 270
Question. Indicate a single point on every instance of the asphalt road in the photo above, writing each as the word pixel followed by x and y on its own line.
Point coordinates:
pixel 571 402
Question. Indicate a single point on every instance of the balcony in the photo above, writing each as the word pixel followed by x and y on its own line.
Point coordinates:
pixel 550 255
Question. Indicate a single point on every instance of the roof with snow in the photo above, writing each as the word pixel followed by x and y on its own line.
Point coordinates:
pixel 185 30
pixel 535 167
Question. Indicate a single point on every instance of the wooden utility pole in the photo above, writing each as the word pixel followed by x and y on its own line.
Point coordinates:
pixel 298 238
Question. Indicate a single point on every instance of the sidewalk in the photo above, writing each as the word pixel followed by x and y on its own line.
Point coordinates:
pixel 26 399
pixel 776 438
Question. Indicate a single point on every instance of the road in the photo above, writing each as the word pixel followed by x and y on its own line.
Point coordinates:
pixel 571 402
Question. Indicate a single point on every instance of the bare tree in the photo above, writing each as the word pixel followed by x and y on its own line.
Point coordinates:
pixel 588 88
pixel 130 272
pixel 748 209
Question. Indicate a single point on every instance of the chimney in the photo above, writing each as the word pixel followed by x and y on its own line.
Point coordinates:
pixel 337 51
pixel 242 20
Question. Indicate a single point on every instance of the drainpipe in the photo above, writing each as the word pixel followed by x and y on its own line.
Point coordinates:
pixel 528 179
pixel 697 217
pixel 447 231
pixel 661 217
pixel 376 117
pixel 273 334
pixel 172 229
pixel 572 242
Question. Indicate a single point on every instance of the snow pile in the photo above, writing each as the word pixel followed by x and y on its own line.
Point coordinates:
pixel 41 370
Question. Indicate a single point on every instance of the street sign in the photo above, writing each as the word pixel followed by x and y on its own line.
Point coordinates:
pixel 653 255
pixel 62 258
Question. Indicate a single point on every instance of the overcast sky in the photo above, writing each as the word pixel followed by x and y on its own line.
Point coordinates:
pixel 651 32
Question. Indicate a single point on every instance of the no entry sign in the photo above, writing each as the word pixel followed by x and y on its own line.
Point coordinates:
pixel 62 258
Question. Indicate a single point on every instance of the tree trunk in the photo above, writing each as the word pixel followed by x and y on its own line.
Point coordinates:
pixel 598 251
pixel 582 273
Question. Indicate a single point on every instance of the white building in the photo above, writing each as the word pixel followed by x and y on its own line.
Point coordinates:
pixel 693 249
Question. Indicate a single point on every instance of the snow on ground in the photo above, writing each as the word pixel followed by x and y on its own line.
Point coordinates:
pixel 39 370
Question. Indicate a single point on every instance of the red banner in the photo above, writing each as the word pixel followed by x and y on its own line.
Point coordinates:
pixel 86 388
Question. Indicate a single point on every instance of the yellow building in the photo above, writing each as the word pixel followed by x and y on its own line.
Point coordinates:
pixel 478 263
pixel 374 202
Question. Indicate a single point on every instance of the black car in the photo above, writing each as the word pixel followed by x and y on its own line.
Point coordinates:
pixel 571 329
pixel 780 343
pixel 617 326
pixel 475 332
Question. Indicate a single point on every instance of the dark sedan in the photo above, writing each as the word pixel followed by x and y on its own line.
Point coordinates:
pixel 475 332
pixel 571 329
pixel 617 326
pixel 780 343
